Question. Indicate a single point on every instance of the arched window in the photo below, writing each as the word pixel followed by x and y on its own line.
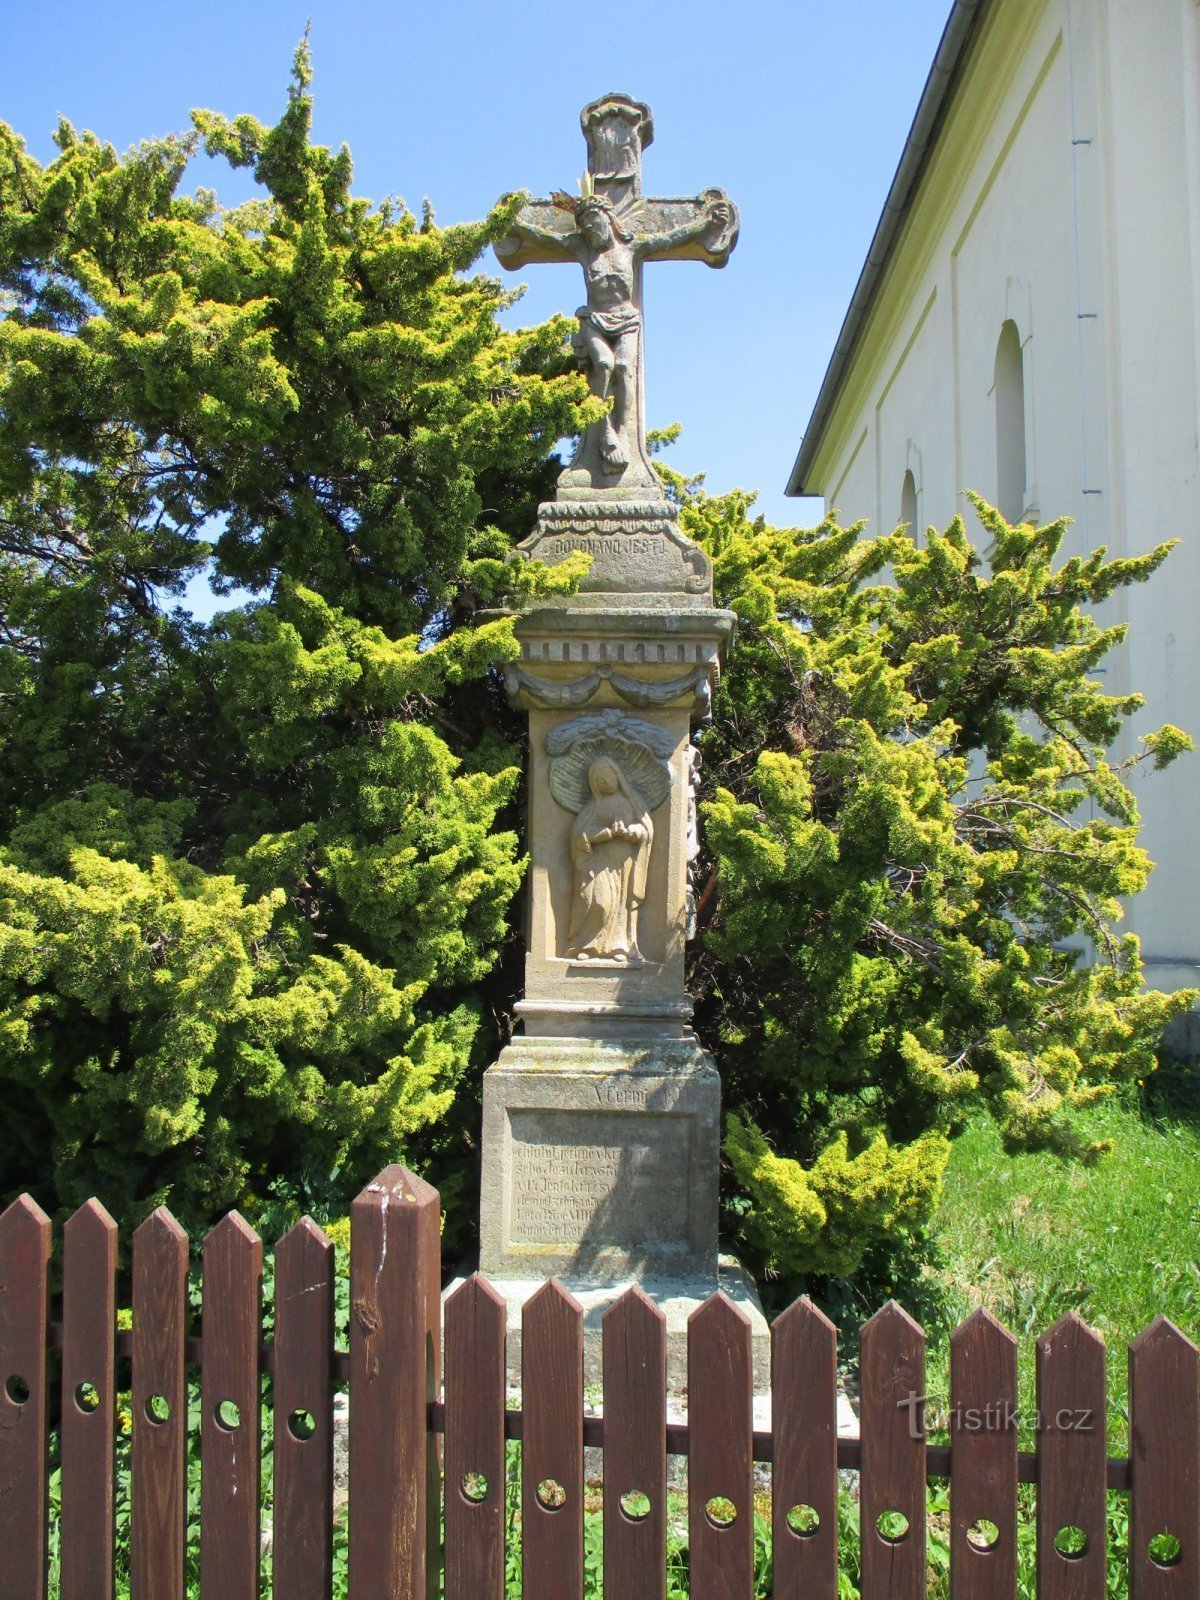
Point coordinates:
pixel 908 502
pixel 1009 389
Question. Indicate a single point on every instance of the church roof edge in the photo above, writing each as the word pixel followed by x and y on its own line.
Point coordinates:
pixel 958 35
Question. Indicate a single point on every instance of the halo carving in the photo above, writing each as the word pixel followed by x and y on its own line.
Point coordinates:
pixel 640 749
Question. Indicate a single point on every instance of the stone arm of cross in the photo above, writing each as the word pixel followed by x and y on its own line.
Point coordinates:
pixel 704 229
pixel 700 228
pixel 542 231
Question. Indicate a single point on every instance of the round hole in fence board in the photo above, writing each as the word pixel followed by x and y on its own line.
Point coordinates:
pixel 720 1511
pixel 474 1487
pixel 635 1506
pixel 228 1415
pixel 302 1425
pixel 891 1526
pixel 17 1389
pixel 803 1521
pixel 983 1535
pixel 87 1396
pixel 551 1494
pixel 1164 1550
pixel 157 1408
pixel 1071 1543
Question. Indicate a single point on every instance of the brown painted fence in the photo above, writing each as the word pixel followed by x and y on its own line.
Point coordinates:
pixel 399 1425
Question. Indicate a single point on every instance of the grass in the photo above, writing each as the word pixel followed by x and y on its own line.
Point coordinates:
pixel 1032 1237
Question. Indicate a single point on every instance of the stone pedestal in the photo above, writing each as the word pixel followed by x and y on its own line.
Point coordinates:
pixel 624 686
pixel 601 1162
pixel 601 1123
pixel 676 1298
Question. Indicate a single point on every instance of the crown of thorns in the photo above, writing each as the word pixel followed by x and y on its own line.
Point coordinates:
pixel 588 200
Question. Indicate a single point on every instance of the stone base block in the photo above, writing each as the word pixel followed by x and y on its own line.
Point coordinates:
pixel 600 1162
pixel 676 1298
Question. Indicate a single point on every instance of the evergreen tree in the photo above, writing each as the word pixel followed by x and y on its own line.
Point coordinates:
pixel 256 874
pixel 917 849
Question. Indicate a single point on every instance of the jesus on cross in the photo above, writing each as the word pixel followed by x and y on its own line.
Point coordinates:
pixel 611 231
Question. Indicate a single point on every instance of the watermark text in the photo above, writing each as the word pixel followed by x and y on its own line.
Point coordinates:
pixel 1000 1416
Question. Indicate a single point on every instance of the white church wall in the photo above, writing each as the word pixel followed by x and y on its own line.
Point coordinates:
pixel 1153 151
pixel 1009 237
pixel 916 403
pixel 1063 197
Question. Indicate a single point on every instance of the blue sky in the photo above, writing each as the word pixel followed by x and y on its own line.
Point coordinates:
pixel 798 110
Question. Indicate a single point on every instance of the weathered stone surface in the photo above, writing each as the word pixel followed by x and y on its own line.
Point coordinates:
pixel 611 230
pixel 573 657
pixel 626 685
pixel 636 550
pixel 600 1161
pixel 573 1169
pixel 570 986
pixel 677 1298
pixel 601 1122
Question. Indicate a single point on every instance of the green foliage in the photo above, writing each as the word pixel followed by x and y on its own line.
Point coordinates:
pixel 917 845
pixel 254 874
pixel 1032 1239
pixel 832 1210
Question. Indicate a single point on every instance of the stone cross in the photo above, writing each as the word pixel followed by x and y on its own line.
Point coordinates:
pixel 601 1117
pixel 611 230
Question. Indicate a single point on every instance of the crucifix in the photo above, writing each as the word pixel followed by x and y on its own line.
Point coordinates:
pixel 601 1117
pixel 611 230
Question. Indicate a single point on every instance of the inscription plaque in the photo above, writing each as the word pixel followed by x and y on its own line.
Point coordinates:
pixel 635 549
pixel 600 1161
pixel 620 1179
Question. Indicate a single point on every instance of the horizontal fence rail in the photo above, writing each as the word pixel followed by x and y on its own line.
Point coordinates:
pixel 427 1471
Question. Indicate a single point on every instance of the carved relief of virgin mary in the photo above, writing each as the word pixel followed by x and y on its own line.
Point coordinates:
pixel 611 840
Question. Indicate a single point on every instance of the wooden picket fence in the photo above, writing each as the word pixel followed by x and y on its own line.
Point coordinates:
pixel 406 1442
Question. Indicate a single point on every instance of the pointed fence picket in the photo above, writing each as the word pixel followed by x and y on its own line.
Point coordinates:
pixel 24 1290
pixel 983 1460
pixel 230 1400
pixel 89 1403
pixel 1072 1469
pixel 158 1403
pixel 892 1378
pixel 804 1482
pixel 393 1233
pixel 720 1454
pixel 302 1513
pixel 635 1448
pixel 552 1447
pixel 397 1422
pixel 474 1444
pixel 1164 1447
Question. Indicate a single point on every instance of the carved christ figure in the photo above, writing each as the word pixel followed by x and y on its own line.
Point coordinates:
pixel 610 853
pixel 611 229
pixel 608 340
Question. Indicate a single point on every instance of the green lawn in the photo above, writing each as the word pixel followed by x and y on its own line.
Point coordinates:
pixel 1031 1237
